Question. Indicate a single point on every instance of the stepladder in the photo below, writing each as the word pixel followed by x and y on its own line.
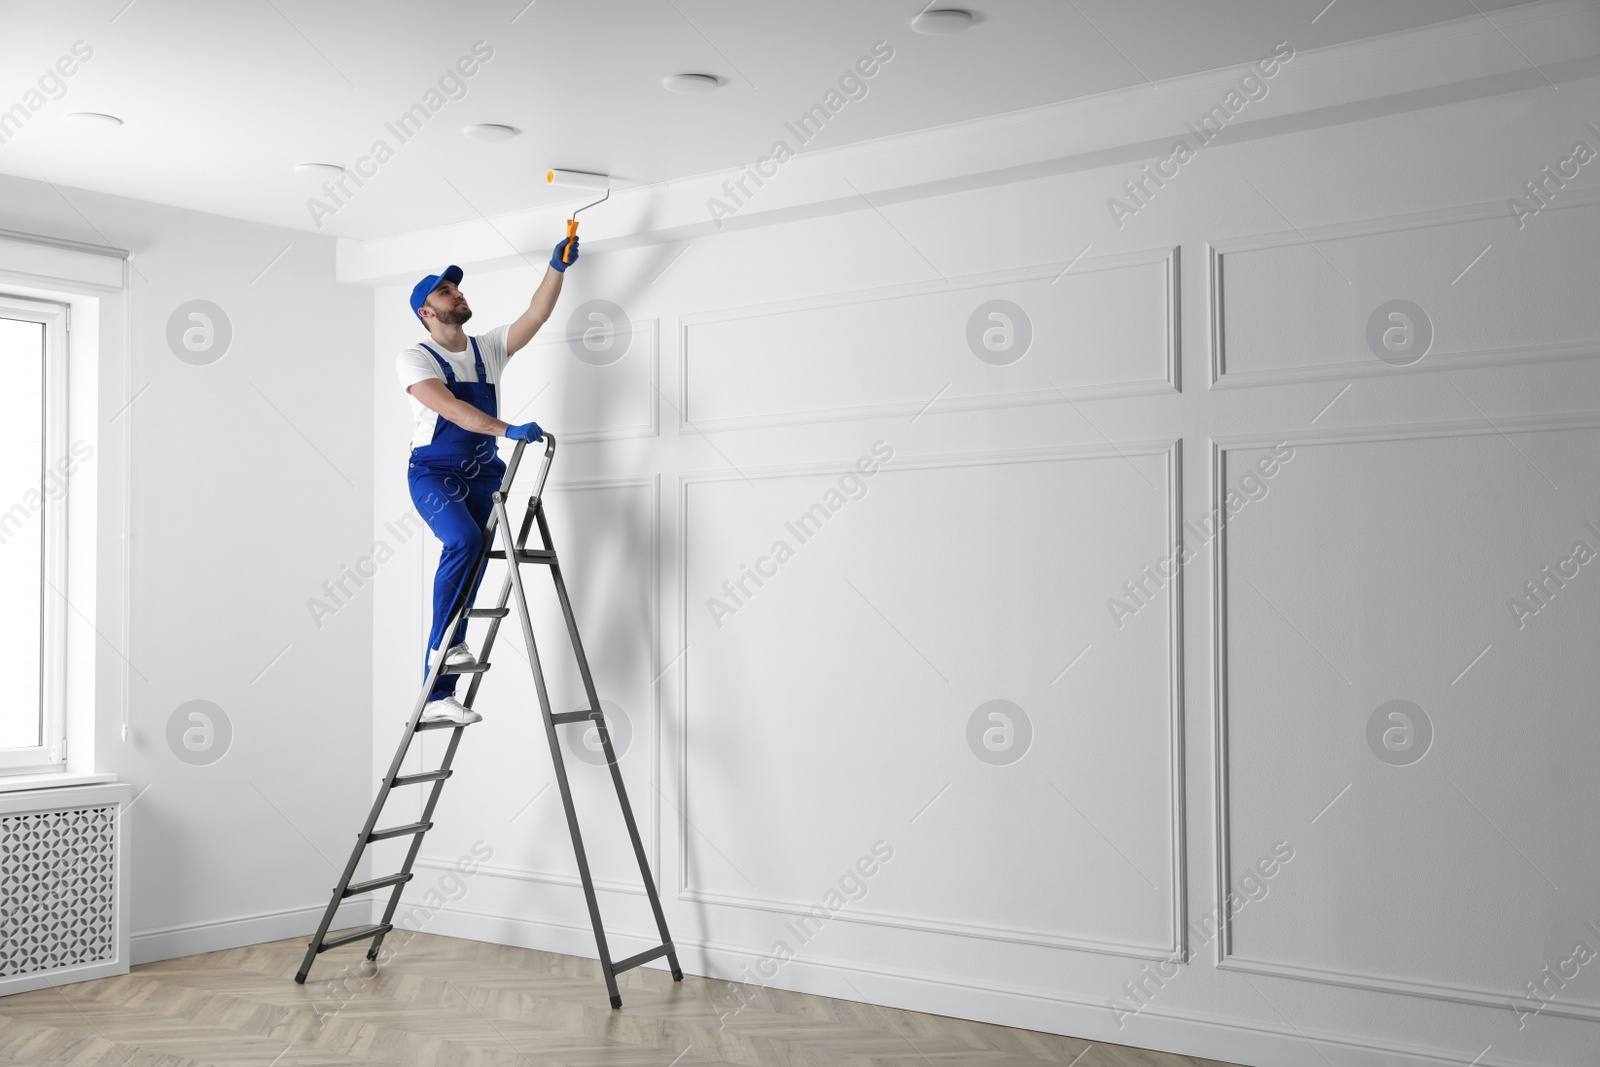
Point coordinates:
pixel 513 598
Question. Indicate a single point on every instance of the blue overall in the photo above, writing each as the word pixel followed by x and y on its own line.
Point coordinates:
pixel 452 481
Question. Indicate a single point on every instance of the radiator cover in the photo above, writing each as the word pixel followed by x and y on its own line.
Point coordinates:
pixel 63 857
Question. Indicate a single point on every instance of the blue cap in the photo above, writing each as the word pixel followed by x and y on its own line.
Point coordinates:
pixel 419 294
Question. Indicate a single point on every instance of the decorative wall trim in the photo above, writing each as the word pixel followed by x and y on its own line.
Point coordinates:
pixel 1168 382
pixel 1405 431
pixel 1171 449
pixel 1003 1004
pixel 1482 998
pixel 1217 252
pixel 1219 699
pixel 1225 958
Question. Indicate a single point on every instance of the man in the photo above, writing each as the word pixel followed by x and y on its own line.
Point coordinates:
pixel 455 463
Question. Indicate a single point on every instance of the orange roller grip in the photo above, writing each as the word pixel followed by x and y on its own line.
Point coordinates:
pixel 572 231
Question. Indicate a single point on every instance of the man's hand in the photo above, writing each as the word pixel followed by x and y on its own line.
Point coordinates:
pixel 527 431
pixel 555 257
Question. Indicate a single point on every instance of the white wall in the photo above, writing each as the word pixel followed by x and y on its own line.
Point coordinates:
pixel 250 486
pixel 1224 724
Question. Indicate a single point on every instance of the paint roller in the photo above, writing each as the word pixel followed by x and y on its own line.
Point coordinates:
pixel 577 179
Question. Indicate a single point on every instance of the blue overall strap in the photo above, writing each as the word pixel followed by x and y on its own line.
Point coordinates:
pixel 444 364
pixel 483 375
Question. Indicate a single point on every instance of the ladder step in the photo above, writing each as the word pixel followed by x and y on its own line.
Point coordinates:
pixel 643 957
pixel 359 935
pixel 475 668
pixel 443 725
pixel 488 613
pixel 377 883
pixel 401 831
pixel 426 776
pixel 572 716
pixel 527 555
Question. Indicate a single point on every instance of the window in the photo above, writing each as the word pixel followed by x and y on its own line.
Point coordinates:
pixel 35 463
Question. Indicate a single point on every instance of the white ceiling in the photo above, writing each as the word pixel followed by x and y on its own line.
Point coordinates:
pixel 221 99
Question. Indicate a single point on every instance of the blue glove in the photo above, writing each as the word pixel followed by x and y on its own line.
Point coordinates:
pixel 555 257
pixel 528 431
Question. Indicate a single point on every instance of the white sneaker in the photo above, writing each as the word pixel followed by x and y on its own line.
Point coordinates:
pixel 449 709
pixel 460 656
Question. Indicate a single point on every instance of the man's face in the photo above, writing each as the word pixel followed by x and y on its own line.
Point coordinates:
pixel 448 305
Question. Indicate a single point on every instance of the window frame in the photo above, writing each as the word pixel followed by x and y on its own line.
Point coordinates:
pixel 51 754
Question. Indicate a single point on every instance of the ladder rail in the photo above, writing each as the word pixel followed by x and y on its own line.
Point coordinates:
pixel 364 838
pixel 415 848
pixel 611 755
pixel 565 788
pixel 458 612
pixel 504 599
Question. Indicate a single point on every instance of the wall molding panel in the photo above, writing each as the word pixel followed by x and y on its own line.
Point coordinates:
pixel 1170 452
pixel 1164 365
pixel 1585 200
pixel 1225 958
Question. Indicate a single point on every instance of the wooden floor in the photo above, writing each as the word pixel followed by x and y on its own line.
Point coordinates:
pixel 445 1002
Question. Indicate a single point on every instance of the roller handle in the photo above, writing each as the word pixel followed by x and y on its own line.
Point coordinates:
pixel 572 231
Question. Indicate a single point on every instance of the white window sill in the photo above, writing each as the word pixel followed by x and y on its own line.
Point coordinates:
pixel 15 783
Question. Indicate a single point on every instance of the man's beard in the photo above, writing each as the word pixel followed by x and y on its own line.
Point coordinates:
pixel 452 317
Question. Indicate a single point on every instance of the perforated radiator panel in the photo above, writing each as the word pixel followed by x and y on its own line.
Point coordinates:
pixel 58 889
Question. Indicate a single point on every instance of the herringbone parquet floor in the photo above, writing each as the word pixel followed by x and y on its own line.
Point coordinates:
pixel 445 1002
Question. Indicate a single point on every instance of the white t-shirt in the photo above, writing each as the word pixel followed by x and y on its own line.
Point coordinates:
pixel 416 365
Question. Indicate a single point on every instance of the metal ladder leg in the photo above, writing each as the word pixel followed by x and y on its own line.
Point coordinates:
pixel 515 573
pixel 667 948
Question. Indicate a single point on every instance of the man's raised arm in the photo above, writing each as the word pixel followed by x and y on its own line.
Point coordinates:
pixel 540 307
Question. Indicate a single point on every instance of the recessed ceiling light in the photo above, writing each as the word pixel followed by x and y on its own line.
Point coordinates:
pixel 942 20
pixel 490 131
pixel 95 118
pixel 692 83
pixel 317 169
